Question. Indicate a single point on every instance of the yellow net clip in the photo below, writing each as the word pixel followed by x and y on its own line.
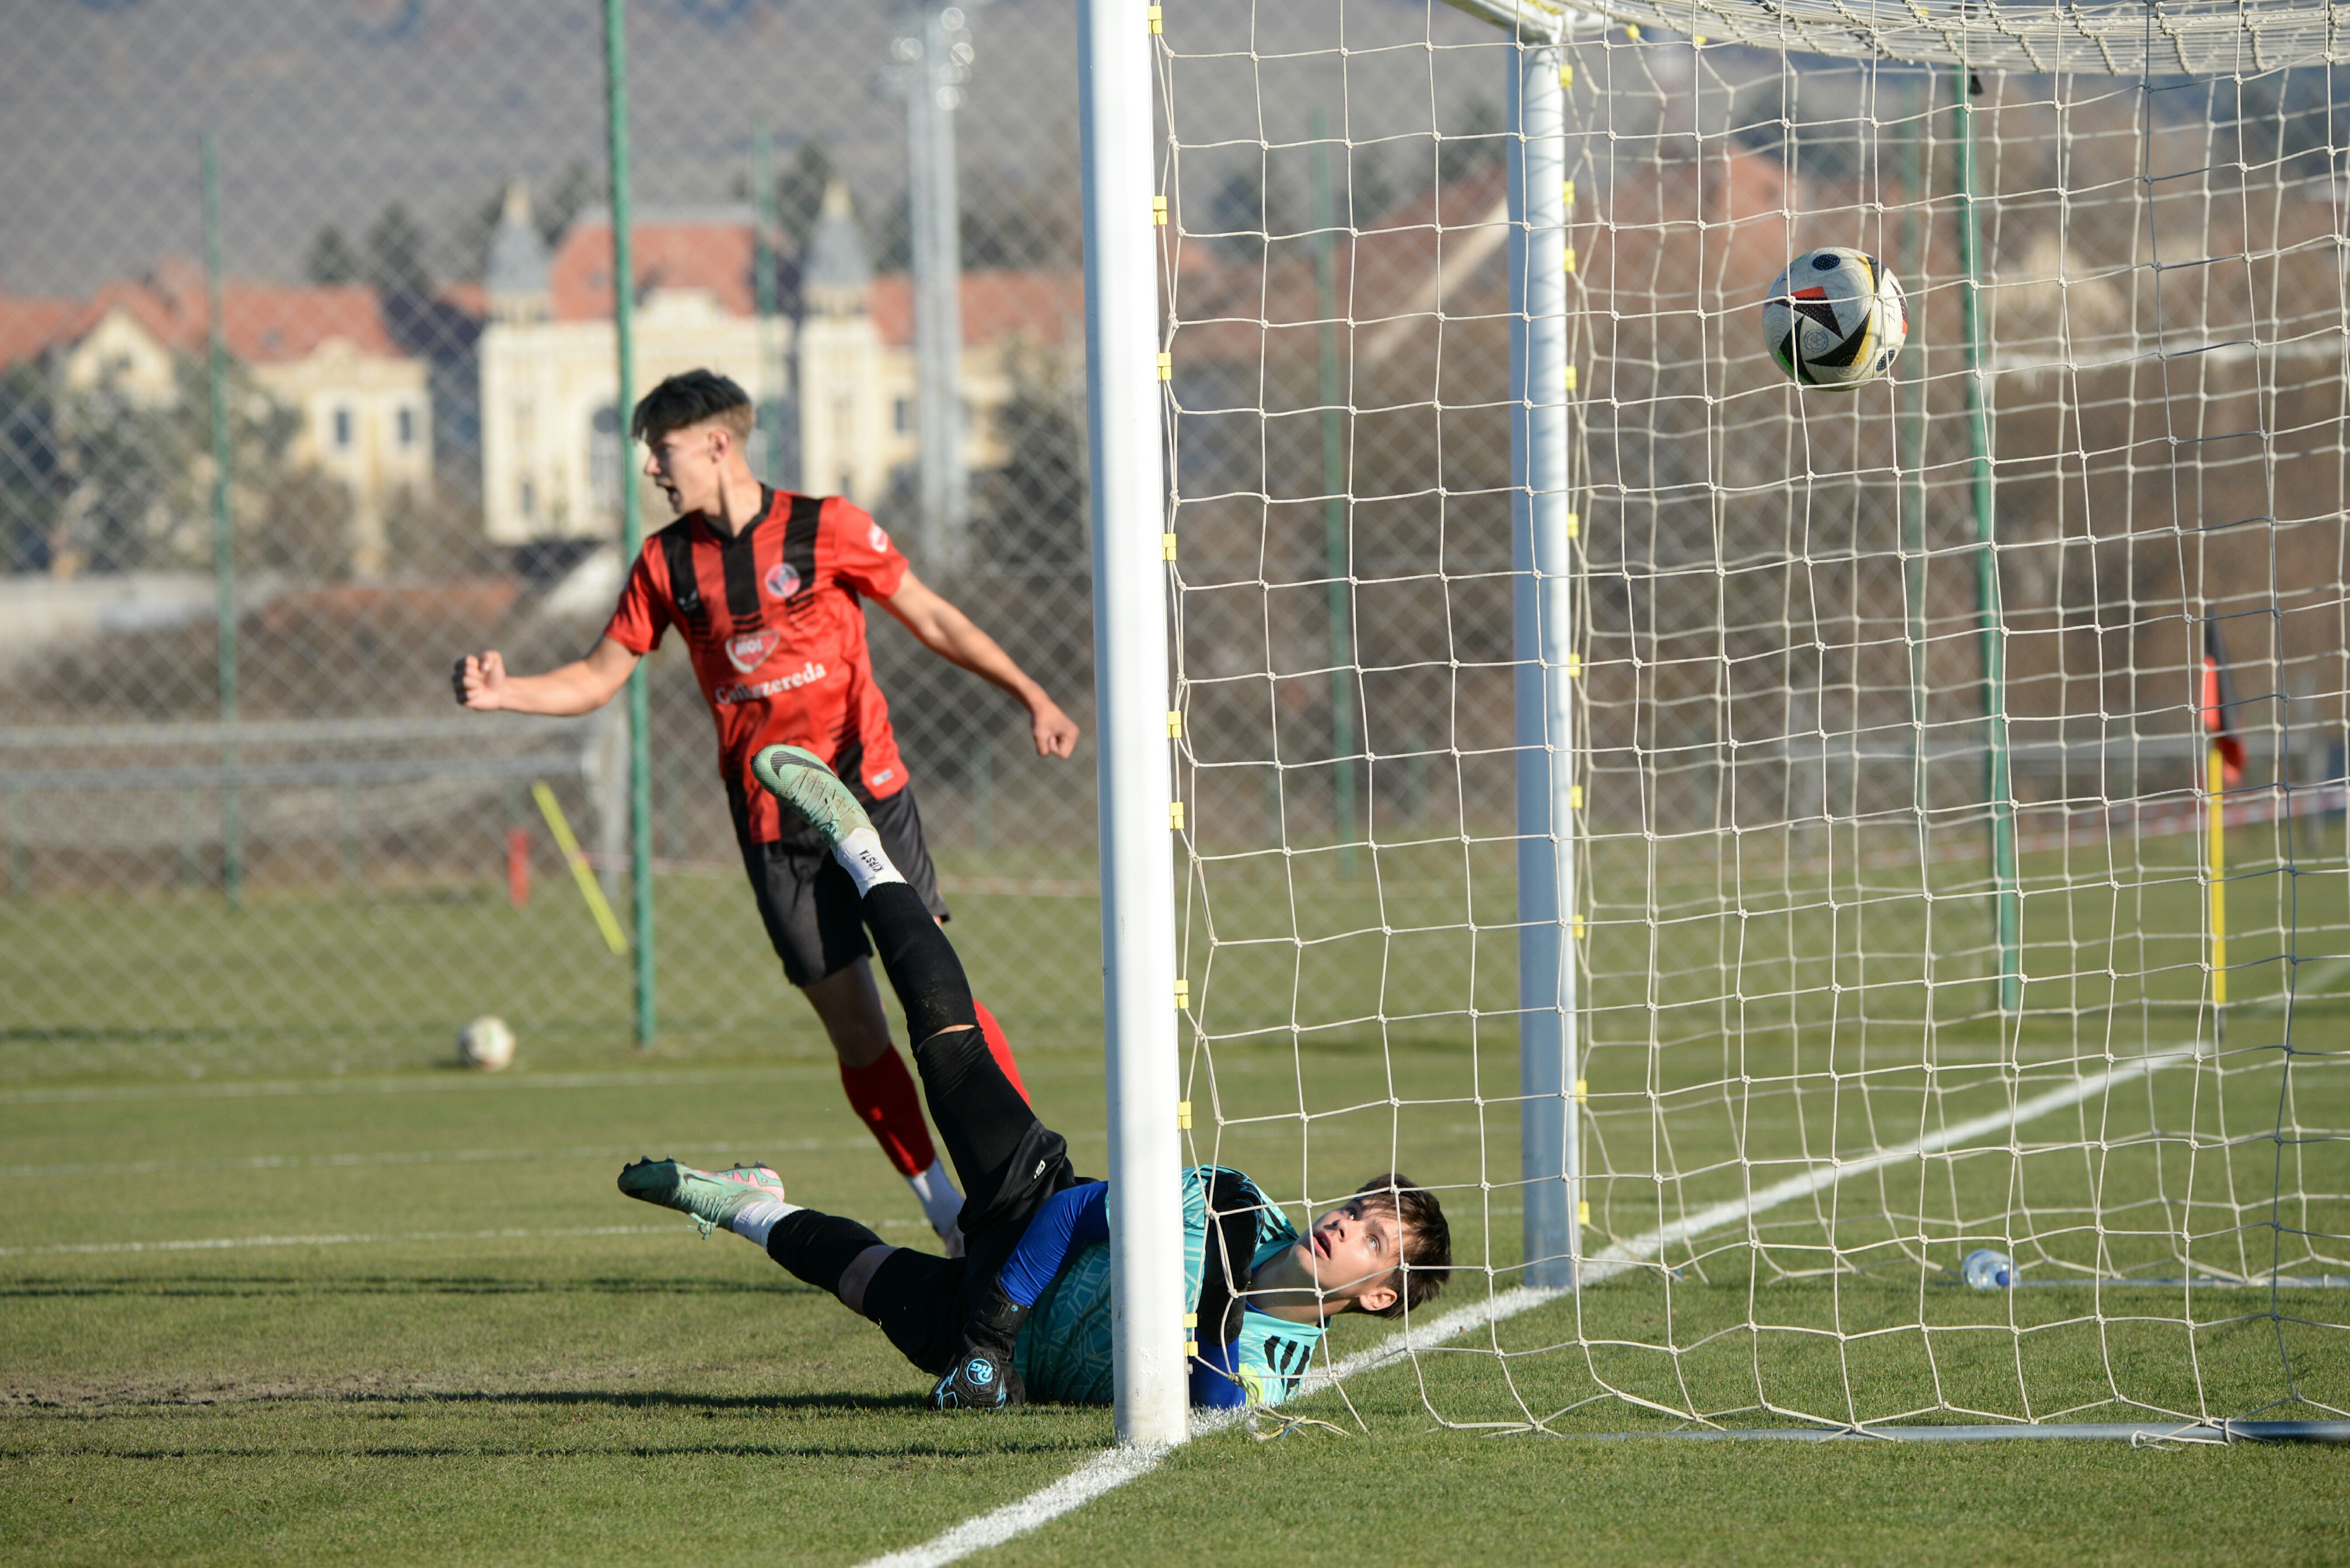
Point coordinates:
pixel 1566 73
pixel 1570 258
pixel 1167 367
pixel 1582 1089
pixel 1579 928
pixel 1158 20
pixel 1631 34
pixel 1570 376
pixel 1175 815
pixel 1159 211
pixel 1174 726
pixel 1582 1211
pixel 1574 667
pixel 1566 193
pixel 1182 1000
pixel 1574 526
pixel 1183 1124
pixel 1574 797
pixel 1167 546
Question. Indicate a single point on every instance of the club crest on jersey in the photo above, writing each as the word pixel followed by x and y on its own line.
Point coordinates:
pixel 877 538
pixel 750 650
pixel 782 582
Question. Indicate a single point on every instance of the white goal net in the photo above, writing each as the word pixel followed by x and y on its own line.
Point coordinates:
pixel 1910 909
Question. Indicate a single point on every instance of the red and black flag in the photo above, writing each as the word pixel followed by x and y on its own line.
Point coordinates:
pixel 2220 705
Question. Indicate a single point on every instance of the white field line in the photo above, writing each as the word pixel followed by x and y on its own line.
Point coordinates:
pixel 410 1156
pixel 223 1244
pixel 1113 1467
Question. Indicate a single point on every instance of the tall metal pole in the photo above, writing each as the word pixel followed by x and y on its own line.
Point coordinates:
pixel 771 349
pixel 1999 783
pixel 1541 645
pixel 224 530
pixel 1334 543
pixel 1124 404
pixel 933 92
pixel 624 332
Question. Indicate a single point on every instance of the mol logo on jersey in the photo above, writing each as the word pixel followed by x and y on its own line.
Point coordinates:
pixel 782 582
pixel 877 538
pixel 750 650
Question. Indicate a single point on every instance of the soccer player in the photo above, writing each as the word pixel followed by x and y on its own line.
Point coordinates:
pixel 764 585
pixel 1025 1313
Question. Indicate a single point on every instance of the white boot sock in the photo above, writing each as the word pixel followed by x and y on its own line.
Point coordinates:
pixel 940 1202
pixel 756 1218
pixel 867 864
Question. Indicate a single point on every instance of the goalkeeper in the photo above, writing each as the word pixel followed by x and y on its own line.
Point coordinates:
pixel 1025 1311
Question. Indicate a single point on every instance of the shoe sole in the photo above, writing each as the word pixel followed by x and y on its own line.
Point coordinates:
pixel 784 772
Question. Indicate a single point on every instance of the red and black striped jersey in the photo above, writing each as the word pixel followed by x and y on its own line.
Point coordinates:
pixel 773 619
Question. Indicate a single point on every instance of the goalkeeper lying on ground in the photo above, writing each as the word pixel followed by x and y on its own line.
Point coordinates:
pixel 1025 1311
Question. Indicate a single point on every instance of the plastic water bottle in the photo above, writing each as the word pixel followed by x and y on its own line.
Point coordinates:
pixel 1988 1271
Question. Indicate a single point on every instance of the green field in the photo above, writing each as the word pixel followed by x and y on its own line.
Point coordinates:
pixel 288 1288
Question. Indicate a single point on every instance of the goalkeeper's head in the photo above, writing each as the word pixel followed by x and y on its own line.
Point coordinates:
pixel 1384 1251
pixel 1426 1247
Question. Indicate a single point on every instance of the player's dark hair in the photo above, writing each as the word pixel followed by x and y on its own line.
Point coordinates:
pixel 1427 1238
pixel 692 397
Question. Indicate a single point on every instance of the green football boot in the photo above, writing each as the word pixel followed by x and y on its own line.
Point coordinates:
pixel 796 778
pixel 712 1197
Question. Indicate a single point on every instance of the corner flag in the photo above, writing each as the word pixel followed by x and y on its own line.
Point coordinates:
pixel 2224 766
pixel 2219 705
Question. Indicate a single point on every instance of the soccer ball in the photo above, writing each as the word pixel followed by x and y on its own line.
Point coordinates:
pixel 1835 318
pixel 485 1044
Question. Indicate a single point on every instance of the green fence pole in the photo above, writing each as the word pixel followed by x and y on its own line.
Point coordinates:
pixel 771 407
pixel 1334 503
pixel 1912 503
pixel 1999 780
pixel 624 329
pixel 224 531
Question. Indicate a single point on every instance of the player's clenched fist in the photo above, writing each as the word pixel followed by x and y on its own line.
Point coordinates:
pixel 481 683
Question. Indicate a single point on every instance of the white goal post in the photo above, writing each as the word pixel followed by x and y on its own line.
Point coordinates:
pixel 1846 890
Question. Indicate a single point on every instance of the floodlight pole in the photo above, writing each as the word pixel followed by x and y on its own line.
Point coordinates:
pixel 938 62
pixel 624 333
pixel 1541 566
pixel 1125 405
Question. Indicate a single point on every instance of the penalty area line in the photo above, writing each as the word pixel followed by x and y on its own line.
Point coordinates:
pixel 1113 1467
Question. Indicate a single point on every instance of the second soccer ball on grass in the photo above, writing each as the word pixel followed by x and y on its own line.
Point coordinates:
pixel 1835 318
pixel 486 1045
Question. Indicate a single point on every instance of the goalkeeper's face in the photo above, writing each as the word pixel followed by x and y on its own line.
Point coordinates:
pixel 1351 1256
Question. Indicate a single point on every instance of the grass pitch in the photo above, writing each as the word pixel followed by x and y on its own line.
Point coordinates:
pixel 292 1292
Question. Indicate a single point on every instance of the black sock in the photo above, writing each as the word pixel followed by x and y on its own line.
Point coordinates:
pixel 817 1248
pixel 919 962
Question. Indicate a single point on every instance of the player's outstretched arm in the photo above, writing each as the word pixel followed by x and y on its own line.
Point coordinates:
pixel 949 633
pixel 582 686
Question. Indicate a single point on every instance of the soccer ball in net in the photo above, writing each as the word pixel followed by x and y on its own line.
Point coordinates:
pixel 1835 318
pixel 485 1044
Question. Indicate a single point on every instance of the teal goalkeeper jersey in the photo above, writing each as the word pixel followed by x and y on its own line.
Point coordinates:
pixel 1063 1354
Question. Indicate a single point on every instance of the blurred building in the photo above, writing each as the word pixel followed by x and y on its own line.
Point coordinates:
pixel 833 368
pixel 324 353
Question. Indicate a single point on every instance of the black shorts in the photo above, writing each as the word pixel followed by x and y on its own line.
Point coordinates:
pixel 809 903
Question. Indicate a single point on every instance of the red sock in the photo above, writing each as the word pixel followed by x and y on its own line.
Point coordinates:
pixel 997 1046
pixel 883 1095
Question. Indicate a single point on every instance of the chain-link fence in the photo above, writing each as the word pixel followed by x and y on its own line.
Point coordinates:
pixel 307 387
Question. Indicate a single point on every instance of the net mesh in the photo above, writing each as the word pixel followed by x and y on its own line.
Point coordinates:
pixel 1842 766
